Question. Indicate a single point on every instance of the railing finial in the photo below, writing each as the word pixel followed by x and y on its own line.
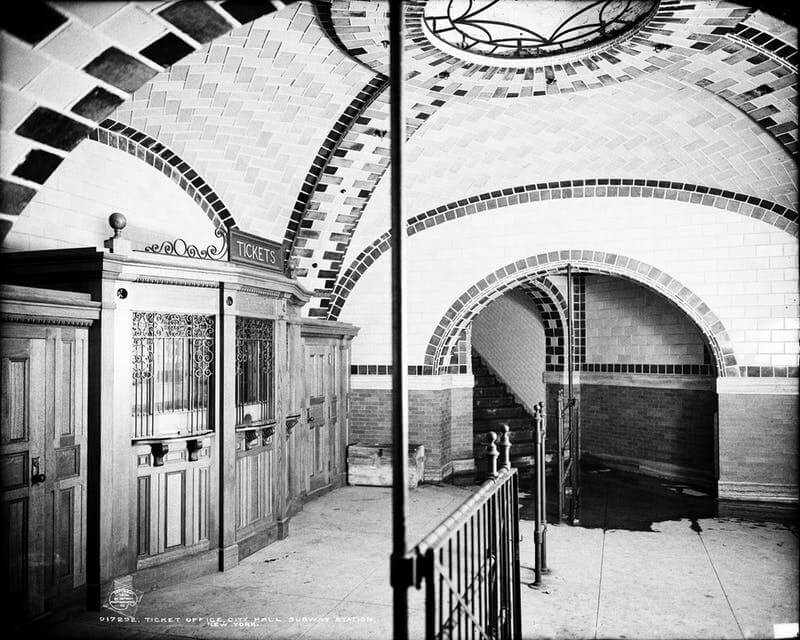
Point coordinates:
pixel 505 446
pixel 492 453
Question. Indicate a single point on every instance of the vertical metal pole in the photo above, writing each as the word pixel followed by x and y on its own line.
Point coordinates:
pixel 543 432
pixel 400 573
pixel 570 401
pixel 537 511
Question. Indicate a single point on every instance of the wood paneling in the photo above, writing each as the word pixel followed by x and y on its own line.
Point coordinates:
pixel 173 512
pixel 174 509
pixel 256 478
pixel 15 549
pixel 15 400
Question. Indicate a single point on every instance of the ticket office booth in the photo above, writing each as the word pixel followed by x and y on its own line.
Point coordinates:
pixel 199 420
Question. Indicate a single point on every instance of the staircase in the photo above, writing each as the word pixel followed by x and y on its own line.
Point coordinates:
pixel 492 407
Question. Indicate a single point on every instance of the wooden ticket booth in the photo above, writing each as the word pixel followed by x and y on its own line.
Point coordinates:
pixel 213 409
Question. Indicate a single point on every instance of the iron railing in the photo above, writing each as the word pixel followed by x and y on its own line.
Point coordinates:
pixel 539 496
pixel 470 562
pixel 568 460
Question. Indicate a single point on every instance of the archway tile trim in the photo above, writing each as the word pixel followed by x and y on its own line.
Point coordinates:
pixel 332 145
pixel 593 367
pixel 770 212
pixel 469 303
pixel 163 159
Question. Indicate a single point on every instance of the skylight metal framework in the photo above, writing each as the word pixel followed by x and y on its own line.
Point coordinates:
pixel 530 28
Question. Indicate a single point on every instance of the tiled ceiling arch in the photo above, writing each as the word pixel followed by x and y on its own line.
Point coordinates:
pixel 713 48
pixel 68 65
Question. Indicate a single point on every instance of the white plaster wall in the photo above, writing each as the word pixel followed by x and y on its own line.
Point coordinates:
pixel 95 180
pixel 509 335
pixel 744 269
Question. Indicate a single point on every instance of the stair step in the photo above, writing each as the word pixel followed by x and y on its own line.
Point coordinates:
pixel 490 391
pixel 484 380
pixel 488 413
pixel 495 424
pixel 517 438
pixel 492 401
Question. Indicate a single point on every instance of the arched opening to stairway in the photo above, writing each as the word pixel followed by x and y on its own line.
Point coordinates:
pixel 645 388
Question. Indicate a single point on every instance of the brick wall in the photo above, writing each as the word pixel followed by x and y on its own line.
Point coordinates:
pixel 664 425
pixel 758 443
pixel 626 323
pixel 509 336
pixel 440 419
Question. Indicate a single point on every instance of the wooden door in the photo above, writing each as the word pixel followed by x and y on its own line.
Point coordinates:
pixel 23 463
pixel 318 383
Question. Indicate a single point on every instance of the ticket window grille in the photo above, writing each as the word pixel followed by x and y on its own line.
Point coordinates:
pixel 255 371
pixel 173 373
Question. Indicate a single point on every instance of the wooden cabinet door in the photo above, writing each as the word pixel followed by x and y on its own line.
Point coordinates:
pixel 318 384
pixel 22 457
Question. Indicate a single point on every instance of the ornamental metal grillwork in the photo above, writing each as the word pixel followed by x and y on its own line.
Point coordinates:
pixel 179 247
pixel 172 373
pixel 532 28
pixel 255 371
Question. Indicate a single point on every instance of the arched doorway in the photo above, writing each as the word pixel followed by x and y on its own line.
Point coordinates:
pixel 646 354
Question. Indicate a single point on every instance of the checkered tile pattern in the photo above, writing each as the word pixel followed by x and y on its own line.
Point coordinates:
pixel 68 65
pixel 251 111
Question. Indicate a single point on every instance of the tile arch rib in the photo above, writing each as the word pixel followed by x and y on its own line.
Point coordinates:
pixel 777 215
pixel 157 36
pixel 552 307
pixel 331 149
pixel 473 300
pixel 138 144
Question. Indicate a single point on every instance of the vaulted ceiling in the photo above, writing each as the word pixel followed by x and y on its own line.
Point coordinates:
pixel 276 114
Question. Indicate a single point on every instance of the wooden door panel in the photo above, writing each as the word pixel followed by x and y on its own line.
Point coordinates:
pixel 318 386
pixel 22 388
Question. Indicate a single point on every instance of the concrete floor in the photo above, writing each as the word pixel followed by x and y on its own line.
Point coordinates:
pixel 329 579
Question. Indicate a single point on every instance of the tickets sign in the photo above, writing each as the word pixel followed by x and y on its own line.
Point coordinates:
pixel 246 248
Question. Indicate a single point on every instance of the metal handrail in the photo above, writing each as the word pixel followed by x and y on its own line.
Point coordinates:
pixel 469 563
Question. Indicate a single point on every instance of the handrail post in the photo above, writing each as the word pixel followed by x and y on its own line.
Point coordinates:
pixel 543 483
pixel 505 447
pixel 492 453
pixel 560 453
pixel 537 510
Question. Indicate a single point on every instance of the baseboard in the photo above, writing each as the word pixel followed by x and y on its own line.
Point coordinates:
pixel 650 468
pixel 758 491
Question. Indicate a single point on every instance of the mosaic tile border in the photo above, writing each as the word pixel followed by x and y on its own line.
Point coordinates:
pixel 629 369
pixel 770 212
pixel 766 43
pixel 472 301
pixel 650 369
pixel 162 158
pixel 552 308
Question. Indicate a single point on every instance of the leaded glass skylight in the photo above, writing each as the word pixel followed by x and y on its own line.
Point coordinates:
pixel 532 28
